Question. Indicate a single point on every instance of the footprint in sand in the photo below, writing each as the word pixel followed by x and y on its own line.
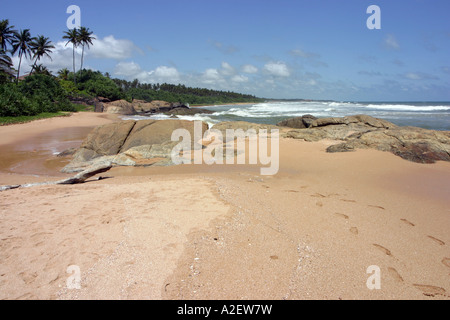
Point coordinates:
pixel 376 207
pixel 346 200
pixel 446 262
pixel 408 222
pixel 430 291
pixel 440 242
pixel 341 215
pixel 318 195
pixel 383 249
pixel 354 230
pixel 394 274
pixel 28 278
pixel 319 204
pixel 291 191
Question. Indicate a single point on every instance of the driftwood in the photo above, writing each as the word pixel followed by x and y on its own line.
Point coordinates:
pixel 86 174
pixel 79 178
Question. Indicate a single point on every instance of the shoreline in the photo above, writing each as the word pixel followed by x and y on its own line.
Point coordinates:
pixel 225 104
pixel 225 232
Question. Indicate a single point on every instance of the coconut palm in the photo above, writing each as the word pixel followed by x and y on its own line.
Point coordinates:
pixel 72 37
pixel 63 74
pixel 6 34
pixel 41 46
pixel 85 38
pixel 21 45
pixel 5 63
pixel 41 69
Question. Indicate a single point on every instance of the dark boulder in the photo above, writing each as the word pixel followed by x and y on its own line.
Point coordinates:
pixel 298 123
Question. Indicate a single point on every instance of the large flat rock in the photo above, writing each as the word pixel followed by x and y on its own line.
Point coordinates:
pixel 362 132
pixel 130 143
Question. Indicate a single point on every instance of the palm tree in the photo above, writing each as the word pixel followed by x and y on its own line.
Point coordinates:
pixel 85 38
pixel 6 34
pixel 5 62
pixel 21 44
pixel 63 74
pixel 41 46
pixel 73 38
pixel 41 69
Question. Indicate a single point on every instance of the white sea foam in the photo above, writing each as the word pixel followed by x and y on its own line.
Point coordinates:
pixel 398 107
pixel 432 116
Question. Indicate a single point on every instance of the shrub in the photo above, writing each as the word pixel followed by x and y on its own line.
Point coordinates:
pixel 96 84
pixel 47 93
pixel 37 94
pixel 13 102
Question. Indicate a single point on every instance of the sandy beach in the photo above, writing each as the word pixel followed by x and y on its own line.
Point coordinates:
pixel 221 232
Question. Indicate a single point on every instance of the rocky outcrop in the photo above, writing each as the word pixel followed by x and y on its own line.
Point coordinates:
pixel 185 111
pixel 122 107
pixel 236 125
pixel 97 103
pixel 359 120
pixel 298 123
pixel 104 141
pixel 413 144
pixel 362 132
pixel 130 143
pixel 150 107
pixel 141 107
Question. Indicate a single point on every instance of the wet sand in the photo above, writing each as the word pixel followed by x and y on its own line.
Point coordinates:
pixel 226 232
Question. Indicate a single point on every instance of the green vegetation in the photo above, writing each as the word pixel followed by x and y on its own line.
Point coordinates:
pixel 4 121
pixel 95 84
pixel 39 93
pixel 181 93
pixel 42 95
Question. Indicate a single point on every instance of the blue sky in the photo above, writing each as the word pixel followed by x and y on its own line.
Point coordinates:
pixel 275 49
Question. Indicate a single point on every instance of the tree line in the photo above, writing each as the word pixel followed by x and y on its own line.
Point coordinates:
pixel 41 91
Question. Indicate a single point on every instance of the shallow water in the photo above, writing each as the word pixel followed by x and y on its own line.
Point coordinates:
pixel 37 154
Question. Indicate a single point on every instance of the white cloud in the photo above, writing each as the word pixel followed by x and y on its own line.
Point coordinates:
pixel 111 48
pixel 62 55
pixel 419 76
pixel 127 69
pixel 278 69
pixel 211 76
pixel 162 74
pixel 227 70
pixel 391 42
pixel 250 69
pixel 304 54
pixel 239 79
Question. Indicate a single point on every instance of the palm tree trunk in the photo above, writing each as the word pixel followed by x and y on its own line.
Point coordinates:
pixel 34 66
pixel 18 69
pixel 82 59
pixel 74 71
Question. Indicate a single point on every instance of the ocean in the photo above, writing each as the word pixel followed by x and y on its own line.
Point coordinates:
pixel 428 115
